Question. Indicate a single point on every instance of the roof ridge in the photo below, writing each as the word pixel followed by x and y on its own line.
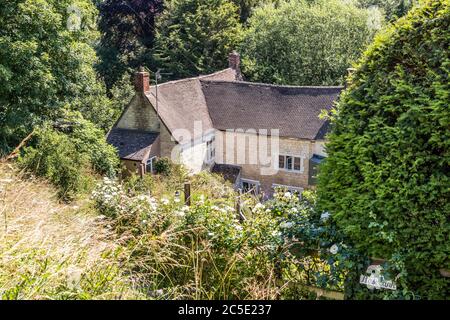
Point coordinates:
pixel 273 85
pixel 199 77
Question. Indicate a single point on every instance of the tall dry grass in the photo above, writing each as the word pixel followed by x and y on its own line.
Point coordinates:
pixel 50 250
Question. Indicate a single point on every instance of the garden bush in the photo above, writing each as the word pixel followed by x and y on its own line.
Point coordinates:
pixel 386 180
pixel 68 152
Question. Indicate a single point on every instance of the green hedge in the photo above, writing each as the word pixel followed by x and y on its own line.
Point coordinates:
pixel 386 180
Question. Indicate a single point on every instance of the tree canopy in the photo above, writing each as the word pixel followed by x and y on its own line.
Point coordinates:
pixel 386 180
pixel 393 9
pixel 46 64
pixel 303 42
pixel 128 32
pixel 196 36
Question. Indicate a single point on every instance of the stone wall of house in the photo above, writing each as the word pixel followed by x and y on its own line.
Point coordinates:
pixel 194 155
pixel 256 166
pixel 167 145
pixel 139 115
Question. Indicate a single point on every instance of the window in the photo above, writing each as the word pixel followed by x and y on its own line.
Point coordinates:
pixel 250 186
pixel 290 163
pixel 150 165
pixel 210 150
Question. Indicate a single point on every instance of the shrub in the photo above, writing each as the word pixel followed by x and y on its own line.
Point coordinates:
pixel 163 166
pixel 67 153
pixel 386 178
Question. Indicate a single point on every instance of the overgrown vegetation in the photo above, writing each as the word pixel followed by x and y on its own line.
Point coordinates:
pixel 50 250
pixel 386 178
pixel 139 240
pixel 68 153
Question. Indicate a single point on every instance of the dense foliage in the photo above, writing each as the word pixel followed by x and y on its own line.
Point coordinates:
pixel 67 152
pixel 303 42
pixel 128 32
pixel 205 252
pixel 386 180
pixel 46 64
pixel 393 9
pixel 195 36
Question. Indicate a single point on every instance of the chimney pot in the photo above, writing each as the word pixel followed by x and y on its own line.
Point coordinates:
pixel 142 80
pixel 234 60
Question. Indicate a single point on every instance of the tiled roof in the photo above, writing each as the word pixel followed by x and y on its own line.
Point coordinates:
pixel 229 172
pixel 293 110
pixel 181 102
pixel 132 144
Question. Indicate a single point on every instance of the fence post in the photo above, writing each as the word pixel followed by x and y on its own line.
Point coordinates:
pixel 187 194
pixel 239 214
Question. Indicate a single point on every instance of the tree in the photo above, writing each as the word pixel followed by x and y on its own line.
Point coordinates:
pixel 196 36
pixel 46 65
pixel 304 42
pixel 393 9
pixel 128 31
pixel 386 179
pixel 246 7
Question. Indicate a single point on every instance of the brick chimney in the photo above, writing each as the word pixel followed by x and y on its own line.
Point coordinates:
pixel 142 80
pixel 234 62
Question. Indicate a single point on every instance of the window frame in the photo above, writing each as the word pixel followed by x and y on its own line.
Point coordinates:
pixel 150 161
pixel 288 158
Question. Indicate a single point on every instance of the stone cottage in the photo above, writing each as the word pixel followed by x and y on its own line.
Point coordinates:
pixel 259 136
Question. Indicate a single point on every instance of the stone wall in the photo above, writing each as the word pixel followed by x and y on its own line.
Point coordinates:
pixel 139 115
pixel 262 165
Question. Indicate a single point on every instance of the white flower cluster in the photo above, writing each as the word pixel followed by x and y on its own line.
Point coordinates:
pixel 259 207
pixel 286 225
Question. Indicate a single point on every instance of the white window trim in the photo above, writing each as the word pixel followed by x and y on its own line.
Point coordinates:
pixel 302 163
pixel 151 161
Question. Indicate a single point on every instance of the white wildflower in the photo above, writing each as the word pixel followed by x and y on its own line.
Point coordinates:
pixel 324 216
pixel 276 233
pixel 334 249
pixel 176 200
pixel 165 201
pixel 286 225
pixel 287 195
pixel 180 213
